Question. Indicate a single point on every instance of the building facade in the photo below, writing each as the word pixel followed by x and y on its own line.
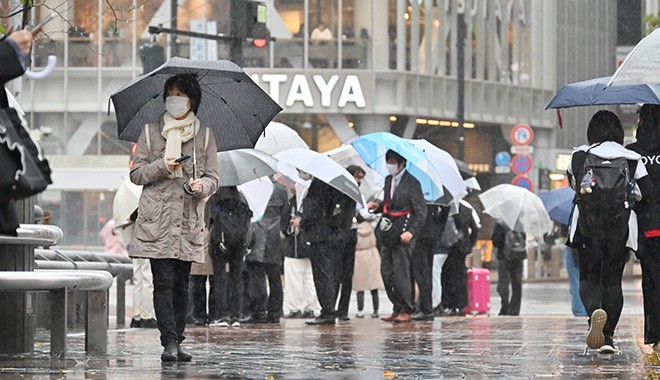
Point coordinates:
pixel 385 65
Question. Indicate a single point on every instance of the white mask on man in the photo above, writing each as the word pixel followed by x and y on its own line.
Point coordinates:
pixel 176 106
pixel 392 169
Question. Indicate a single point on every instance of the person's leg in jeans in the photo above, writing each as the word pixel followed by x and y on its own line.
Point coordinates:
pixel 570 261
pixel 503 282
pixel 516 287
pixel 170 297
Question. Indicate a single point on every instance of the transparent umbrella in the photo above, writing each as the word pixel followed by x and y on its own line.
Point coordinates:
pixel 518 208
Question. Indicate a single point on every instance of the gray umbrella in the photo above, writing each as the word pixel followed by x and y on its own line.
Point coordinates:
pixel 232 104
pixel 243 165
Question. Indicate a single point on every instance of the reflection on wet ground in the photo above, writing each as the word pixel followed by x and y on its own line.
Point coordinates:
pixel 470 347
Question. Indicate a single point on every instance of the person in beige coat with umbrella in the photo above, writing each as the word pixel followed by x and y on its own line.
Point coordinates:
pixel 169 230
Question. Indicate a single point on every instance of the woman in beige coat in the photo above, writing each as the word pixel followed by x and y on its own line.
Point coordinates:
pixel 170 226
pixel 366 275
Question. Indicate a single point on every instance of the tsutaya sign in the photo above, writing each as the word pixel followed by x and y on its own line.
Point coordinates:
pixel 475 7
pixel 313 90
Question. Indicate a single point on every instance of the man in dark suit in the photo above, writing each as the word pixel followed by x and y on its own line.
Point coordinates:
pixel 404 201
pixel 322 247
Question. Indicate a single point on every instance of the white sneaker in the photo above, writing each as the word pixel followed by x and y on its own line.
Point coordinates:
pixel 236 324
pixel 359 315
pixel 219 323
pixel 656 346
pixel 595 338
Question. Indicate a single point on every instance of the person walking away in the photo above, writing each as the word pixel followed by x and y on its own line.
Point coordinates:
pixel 228 217
pixel 318 236
pixel 404 213
pixel 511 252
pixel 422 260
pixel 454 271
pixel 344 221
pixel 299 292
pixel 264 261
pixel 648 146
pixel 603 227
pixel 170 227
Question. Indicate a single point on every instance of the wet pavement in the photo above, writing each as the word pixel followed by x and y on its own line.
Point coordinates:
pixel 545 342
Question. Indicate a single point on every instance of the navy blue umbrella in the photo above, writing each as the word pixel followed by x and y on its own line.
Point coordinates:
pixel 559 203
pixel 596 92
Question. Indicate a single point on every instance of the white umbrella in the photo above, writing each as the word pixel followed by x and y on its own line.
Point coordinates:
pixel 124 204
pixel 278 137
pixel 346 155
pixel 257 193
pixel 321 167
pixel 517 208
pixel 641 65
pixel 242 165
pixel 472 183
pixel 445 165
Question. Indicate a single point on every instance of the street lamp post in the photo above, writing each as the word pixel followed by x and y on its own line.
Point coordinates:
pixel 460 74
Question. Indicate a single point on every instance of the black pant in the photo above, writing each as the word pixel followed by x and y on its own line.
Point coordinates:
pixel 374 300
pixel 323 256
pixel 233 283
pixel 200 299
pixel 348 240
pixel 509 273
pixel 601 269
pixel 170 297
pixel 265 297
pixel 454 281
pixel 651 289
pixel 395 270
pixel 422 273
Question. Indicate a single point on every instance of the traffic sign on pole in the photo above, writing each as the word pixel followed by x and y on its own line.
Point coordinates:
pixel 522 164
pixel 522 134
pixel 523 181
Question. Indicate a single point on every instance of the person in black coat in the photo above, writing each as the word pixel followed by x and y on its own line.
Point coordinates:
pixel 404 209
pixel 648 145
pixel 323 249
pixel 14 51
pixel 509 269
pixel 422 259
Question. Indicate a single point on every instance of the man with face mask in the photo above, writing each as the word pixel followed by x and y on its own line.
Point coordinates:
pixel 404 212
pixel 648 145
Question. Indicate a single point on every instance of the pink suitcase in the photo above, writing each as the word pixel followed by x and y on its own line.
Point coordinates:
pixel 478 291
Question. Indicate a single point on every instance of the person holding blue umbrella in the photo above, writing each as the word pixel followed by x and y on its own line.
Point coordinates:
pixel 404 212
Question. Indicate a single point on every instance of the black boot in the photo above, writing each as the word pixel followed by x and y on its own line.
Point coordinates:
pixel 182 355
pixel 170 352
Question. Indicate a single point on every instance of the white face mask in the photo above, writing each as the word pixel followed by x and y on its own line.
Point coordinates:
pixel 392 169
pixel 305 176
pixel 176 106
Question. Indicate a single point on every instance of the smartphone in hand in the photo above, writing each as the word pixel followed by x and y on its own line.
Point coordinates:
pixel 182 159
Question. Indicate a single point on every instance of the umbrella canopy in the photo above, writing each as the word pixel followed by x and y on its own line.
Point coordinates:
pixel 126 201
pixel 594 92
pixel 464 169
pixel 242 165
pixel 559 204
pixel 278 137
pixel 373 146
pixel 232 104
pixel 257 192
pixel 346 155
pixel 445 165
pixel 517 208
pixel 321 167
pixel 641 65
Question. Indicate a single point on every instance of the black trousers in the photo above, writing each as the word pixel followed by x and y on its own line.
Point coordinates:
pixel 651 290
pixel 454 280
pixel 509 276
pixel 348 240
pixel 265 296
pixel 200 299
pixel 601 269
pixel 170 297
pixel 232 281
pixel 324 259
pixel 395 270
pixel 374 300
pixel 422 273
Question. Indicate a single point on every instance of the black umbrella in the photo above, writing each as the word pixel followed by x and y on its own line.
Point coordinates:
pixel 232 105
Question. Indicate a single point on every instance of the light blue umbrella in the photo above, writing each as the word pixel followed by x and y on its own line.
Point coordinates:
pixel 445 165
pixel 373 146
pixel 559 204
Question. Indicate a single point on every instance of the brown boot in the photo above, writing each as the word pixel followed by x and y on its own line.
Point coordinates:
pixel 391 318
pixel 403 318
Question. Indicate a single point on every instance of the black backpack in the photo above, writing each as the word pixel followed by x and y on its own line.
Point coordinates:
pixel 515 246
pixel 230 217
pixel 602 196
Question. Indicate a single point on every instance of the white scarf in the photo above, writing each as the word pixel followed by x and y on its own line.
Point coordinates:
pixel 176 132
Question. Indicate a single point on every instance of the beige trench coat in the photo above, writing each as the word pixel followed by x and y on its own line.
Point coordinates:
pixel 366 274
pixel 170 223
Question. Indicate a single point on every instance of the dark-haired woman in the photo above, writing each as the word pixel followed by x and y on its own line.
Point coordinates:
pixel 170 226
pixel 602 257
